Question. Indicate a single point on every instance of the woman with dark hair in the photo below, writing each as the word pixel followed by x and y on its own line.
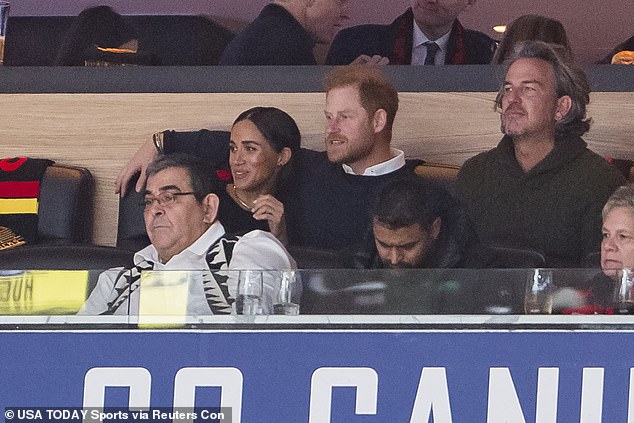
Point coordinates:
pixel 531 27
pixel 95 27
pixel 263 142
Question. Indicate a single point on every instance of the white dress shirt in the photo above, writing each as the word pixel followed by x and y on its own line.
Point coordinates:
pixel 419 50
pixel 396 162
pixel 255 250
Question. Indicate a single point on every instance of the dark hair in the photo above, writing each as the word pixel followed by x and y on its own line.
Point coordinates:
pixel 277 127
pixel 375 91
pixel 96 26
pixel 407 201
pixel 531 27
pixel 201 175
pixel 570 80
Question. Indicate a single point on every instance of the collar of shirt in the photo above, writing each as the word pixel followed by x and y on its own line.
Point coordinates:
pixel 191 258
pixel 419 51
pixel 395 163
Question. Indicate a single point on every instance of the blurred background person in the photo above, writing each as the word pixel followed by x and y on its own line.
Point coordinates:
pixel 622 54
pixel 98 26
pixel 531 27
pixel 428 33
pixel 285 33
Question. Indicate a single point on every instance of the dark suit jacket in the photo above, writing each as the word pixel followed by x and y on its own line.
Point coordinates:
pixel 395 42
pixel 273 38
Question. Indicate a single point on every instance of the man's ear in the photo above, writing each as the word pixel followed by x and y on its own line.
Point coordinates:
pixel 435 228
pixel 210 204
pixel 284 156
pixel 564 104
pixel 379 120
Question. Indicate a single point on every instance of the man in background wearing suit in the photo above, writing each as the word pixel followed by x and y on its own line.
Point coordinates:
pixel 427 33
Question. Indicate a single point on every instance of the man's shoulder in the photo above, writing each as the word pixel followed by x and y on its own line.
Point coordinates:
pixel 350 43
pixel 257 234
pixel 259 237
pixel 478 47
pixel 308 158
pixel 477 161
pixel 479 38
pixel 597 168
pixel 273 38
pixel 362 32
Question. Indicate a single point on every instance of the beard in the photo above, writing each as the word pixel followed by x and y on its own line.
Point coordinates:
pixel 351 150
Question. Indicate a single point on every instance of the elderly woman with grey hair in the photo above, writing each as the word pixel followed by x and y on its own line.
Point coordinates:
pixel 617 253
pixel 617 245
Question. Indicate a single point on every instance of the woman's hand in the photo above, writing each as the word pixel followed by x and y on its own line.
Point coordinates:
pixel 138 163
pixel 266 207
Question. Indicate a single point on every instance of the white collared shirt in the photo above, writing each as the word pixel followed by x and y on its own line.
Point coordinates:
pixel 419 50
pixel 255 250
pixel 191 258
pixel 395 163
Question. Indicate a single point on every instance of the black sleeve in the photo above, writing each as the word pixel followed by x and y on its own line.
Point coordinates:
pixel 209 145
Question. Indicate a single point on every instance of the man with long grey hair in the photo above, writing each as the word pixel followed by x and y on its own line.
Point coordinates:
pixel 541 187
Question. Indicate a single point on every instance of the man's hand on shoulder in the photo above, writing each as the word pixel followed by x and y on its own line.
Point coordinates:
pixel 375 60
pixel 137 165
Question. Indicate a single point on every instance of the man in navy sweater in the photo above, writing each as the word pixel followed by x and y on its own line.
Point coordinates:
pixel 330 194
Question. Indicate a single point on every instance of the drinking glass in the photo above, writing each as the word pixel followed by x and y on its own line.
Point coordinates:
pixel 623 293
pixel 4 17
pixel 249 296
pixel 284 299
pixel 539 292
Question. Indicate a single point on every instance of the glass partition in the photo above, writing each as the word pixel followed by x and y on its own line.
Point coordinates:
pixel 176 296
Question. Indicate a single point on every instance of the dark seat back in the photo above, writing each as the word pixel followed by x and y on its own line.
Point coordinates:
pixel 64 257
pixel 92 258
pixel 131 234
pixel 503 257
pixel 444 175
pixel 65 211
pixel 315 258
pixel 176 40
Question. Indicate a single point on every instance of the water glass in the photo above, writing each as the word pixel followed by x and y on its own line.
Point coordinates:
pixel 249 295
pixel 284 299
pixel 623 293
pixel 539 292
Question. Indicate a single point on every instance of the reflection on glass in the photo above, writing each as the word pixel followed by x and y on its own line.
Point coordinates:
pixel 623 294
pixel 42 292
pixel 249 296
pixel 284 303
pixel 539 292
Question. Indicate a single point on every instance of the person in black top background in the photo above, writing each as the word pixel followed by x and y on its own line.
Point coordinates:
pixel 432 21
pixel 98 26
pixel 285 33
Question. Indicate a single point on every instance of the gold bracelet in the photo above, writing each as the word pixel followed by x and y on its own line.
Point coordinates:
pixel 157 138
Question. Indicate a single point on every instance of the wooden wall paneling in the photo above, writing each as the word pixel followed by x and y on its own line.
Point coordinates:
pixel 102 131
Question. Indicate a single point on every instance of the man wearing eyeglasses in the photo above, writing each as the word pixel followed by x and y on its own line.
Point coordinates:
pixel 180 209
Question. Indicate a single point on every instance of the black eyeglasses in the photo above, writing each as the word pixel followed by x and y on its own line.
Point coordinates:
pixel 165 199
